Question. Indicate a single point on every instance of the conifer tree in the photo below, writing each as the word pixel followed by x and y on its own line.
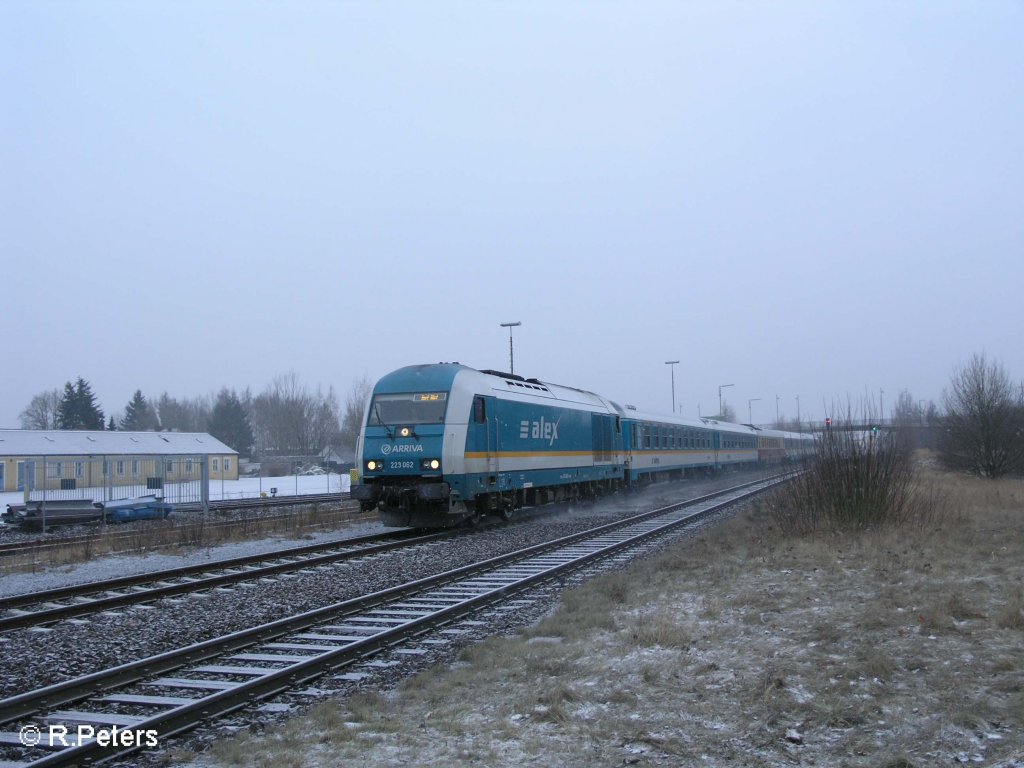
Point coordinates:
pixel 78 408
pixel 139 415
pixel 229 422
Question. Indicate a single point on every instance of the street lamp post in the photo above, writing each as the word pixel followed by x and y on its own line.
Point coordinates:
pixel 673 364
pixel 750 410
pixel 511 358
pixel 720 388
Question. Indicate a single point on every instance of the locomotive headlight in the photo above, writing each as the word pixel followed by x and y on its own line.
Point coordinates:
pixel 430 464
pixel 404 432
pixel 373 466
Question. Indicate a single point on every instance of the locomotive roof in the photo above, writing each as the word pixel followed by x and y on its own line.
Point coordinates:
pixel 441 376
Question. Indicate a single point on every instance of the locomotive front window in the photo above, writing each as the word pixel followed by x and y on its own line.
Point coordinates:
pixel 408 408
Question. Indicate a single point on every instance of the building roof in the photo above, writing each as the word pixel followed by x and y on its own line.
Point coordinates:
pixel 61 442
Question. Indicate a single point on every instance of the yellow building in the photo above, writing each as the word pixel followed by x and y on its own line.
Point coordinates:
pixel 75 460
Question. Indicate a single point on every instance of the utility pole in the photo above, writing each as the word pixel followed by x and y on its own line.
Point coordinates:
pixel 673 364
pixel 511 357
pixel 720 388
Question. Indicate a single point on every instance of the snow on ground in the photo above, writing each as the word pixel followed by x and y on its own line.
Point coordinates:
pixel 243 488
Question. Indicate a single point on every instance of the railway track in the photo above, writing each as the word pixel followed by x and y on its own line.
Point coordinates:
pixel 49 606
pixel 155 698
pixel 111 536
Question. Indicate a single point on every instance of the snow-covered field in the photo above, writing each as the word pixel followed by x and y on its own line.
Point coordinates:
pixel 243 488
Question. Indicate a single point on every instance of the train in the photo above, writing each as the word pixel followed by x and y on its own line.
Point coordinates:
pixel 443 444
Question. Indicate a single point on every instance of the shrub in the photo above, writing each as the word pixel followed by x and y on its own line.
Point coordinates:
pixel 855 481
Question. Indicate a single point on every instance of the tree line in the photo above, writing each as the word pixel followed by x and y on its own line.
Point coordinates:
pixel 980 425
pixel 286 419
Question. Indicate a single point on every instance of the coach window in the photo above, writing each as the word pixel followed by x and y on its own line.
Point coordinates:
pixel 479 410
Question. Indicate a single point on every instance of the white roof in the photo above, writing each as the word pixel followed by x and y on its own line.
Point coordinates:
pixel 64 442
pixel 629 412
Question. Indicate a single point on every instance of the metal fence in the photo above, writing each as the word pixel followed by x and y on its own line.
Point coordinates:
pixel 176 479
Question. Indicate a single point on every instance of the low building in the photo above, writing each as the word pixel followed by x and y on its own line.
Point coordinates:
pixel 74 460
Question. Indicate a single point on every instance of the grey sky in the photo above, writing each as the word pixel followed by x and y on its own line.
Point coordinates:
pixel 813 198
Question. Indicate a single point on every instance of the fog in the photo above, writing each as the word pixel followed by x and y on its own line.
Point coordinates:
pixel 813 200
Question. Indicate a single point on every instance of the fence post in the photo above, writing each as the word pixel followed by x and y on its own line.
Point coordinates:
pixel 204 483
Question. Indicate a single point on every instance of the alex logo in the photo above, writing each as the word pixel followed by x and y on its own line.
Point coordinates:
pixel 539 430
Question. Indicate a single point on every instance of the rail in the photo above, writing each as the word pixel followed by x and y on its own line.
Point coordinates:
pixel 309 644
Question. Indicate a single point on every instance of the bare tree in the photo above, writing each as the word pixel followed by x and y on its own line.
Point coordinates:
pixel 984 420
pixel 352 418
pixel 187 415
pixel 288 420
pixel 728 414
pixel 907 410
pixel 41 412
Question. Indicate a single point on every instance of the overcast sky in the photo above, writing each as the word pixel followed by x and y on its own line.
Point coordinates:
pixel 806 198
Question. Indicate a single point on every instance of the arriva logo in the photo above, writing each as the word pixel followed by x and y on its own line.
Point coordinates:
pixel 388 448
pixel 539 430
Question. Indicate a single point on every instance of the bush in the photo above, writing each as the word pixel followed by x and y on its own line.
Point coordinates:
pixel 855 481
pixel 983 429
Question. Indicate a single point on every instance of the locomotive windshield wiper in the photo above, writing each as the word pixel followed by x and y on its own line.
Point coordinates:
pixel 376 410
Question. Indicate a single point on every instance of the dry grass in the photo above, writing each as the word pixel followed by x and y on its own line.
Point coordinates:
pixel 889 647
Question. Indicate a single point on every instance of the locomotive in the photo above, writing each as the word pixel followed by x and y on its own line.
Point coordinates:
pixel 445 443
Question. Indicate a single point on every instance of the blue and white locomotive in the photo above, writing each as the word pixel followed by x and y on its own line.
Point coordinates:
pixel 445 443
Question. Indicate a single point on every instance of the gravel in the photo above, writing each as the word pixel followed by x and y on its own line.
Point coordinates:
pixel 38 657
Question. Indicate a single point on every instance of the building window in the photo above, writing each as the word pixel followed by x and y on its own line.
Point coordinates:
pixel 55 469
pixel 215 465
pixel 169 467
pixel 188 466
pixel 135 466
pixel 120 466
pixel 227 465
pixel 79 469
pixel 106 467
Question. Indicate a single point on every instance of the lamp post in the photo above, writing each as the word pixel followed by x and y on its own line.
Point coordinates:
pixel 511 358
pixel 750 410
pixel 777 409
pixel 798 428
pixel 720 388
pixel 673 364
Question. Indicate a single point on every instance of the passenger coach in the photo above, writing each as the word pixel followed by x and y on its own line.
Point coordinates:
pixel 662 447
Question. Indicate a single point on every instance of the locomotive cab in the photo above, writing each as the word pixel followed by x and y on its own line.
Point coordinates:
pixel 401 451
